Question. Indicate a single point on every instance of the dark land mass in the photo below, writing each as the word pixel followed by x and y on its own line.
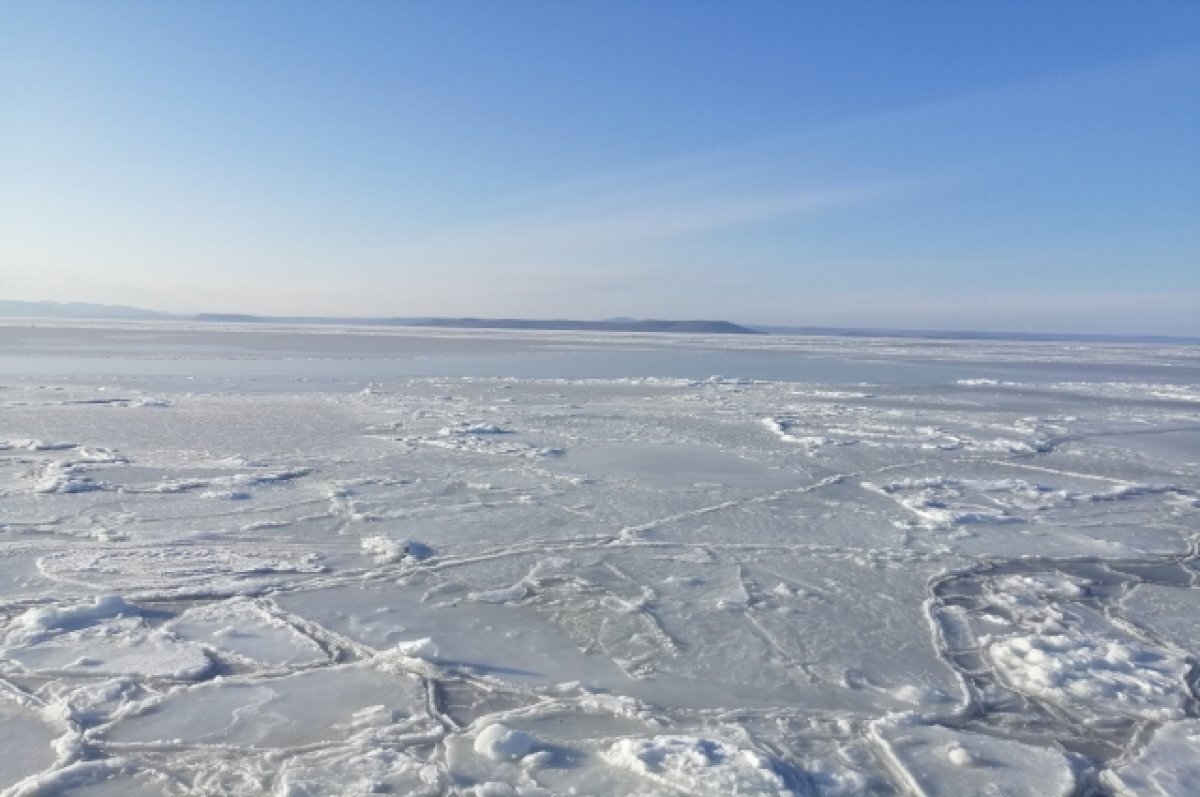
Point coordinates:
pixel 607 325
pixel 10 308
pixel 610 325
pixel 231 318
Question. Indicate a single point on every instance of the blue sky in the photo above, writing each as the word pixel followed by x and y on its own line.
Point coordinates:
pixel 1008 166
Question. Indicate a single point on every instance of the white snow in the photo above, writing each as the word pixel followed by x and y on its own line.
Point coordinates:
pixel 1080 671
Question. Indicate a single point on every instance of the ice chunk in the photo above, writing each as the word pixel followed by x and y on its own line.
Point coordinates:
pixel 513 594
pixel 65 477
pixel 422 648
pixel 387 550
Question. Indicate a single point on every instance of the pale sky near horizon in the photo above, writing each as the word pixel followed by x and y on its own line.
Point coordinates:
pixel 1007 166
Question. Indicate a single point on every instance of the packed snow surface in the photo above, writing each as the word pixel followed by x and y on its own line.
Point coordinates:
pixel 314 561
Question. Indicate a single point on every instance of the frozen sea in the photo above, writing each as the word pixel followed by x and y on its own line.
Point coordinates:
pixel 246 560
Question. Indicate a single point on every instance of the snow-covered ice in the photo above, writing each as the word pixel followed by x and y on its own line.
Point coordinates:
pixel 360 560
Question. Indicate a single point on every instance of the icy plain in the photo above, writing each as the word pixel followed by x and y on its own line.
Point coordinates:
pixel 317 561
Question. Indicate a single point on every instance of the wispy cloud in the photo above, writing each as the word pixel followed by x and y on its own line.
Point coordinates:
pixel 833 166
pixel 615 219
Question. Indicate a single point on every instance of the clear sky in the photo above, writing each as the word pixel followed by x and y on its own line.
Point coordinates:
pixel 1007 165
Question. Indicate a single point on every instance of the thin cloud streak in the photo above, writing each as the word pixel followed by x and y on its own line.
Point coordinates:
pixel 751 183
pixel 557 232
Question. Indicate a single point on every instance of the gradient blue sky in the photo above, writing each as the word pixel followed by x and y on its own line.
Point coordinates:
pixel 1009 165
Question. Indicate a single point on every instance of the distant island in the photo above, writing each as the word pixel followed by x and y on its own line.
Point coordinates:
pixel 10 308
pixel 606 325
pixel 609 325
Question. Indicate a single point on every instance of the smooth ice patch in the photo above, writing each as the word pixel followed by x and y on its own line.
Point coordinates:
pixel 498 640
pixel 353 770
pixel 940 762
pixel 303 709
pixel 244 628
pixel 1169 766
pixel 25 743
pixel 1172 614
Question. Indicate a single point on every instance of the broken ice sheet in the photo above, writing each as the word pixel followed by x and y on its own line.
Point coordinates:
pixel 642 586
pixel 508 643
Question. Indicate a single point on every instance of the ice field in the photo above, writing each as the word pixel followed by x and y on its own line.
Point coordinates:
pixel 318 561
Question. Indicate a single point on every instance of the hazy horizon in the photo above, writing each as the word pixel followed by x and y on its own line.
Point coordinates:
pixel 1017 168
pixel 93 311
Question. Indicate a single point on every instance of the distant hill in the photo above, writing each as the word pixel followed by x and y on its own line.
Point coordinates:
pixel 607 325
pixel 610 325
pixel 13 308
pixel 231 318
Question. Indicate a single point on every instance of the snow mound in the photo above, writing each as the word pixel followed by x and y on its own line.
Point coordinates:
pixel 1083 671
pixel 700 766
pixel 387 551
pixel 54 618
pixel 501 743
